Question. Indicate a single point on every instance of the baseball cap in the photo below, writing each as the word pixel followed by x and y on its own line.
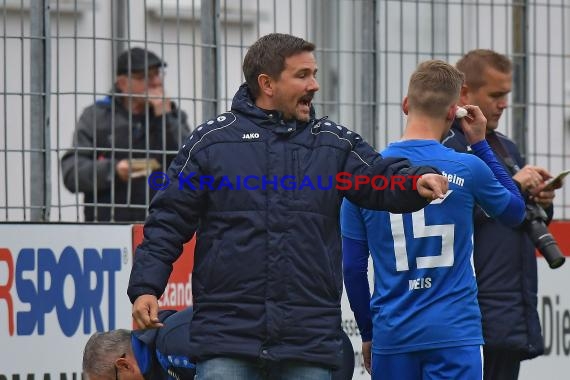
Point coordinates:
pixel 139 57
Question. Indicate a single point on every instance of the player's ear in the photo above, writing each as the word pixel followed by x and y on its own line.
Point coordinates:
pixel 451 112
pixel 405 106
pixel 464 95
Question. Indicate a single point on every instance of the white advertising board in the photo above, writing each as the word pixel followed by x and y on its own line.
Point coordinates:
pixel 58 285
pixel 554 312
pixel 351 329
pixel 61 283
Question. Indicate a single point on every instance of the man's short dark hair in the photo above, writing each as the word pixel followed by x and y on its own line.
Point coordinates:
pixel 474 63
pixel 434 87
pixel 267 56
pixel 140 59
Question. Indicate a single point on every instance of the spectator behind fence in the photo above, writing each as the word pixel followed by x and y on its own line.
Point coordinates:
pixel 423 320
pixel 504 257
pixel 267 278
pixel 121 138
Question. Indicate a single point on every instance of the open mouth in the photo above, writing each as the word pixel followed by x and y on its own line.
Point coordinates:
pixel 306 100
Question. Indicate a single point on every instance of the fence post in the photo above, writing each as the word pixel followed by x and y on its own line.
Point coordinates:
pixel 209 12
pixel 40 70
pixel 520 75
pixel 369 32
pixel 326 38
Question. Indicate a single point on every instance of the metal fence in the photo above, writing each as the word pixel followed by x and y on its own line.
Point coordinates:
pixel 59 57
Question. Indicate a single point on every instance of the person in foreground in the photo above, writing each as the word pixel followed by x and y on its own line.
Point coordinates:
pixel 162 354
pixel 504 257
pixel 157 354
pixel 423 321
pixel 257 185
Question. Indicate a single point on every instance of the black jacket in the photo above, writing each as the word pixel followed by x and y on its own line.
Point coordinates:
pixel 106 134
pixel 506 271
pixel 267 277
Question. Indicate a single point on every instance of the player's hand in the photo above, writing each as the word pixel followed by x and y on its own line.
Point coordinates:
pixel 367 356
pixel 474 125
pixel 160 103
pixel 145 312
pixel 531 178
pixel 432 186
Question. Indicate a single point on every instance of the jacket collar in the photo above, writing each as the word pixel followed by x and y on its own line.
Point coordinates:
pixel 244 103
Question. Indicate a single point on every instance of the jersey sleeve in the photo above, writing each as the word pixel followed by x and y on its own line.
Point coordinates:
pixel 493 188
pixel 355 270
pixel 351 222
pixel 355 267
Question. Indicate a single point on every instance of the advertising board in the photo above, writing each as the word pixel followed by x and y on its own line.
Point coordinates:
pixel 58 285
pixel 61 283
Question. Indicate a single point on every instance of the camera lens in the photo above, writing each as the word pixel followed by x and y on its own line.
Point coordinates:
pixel 545 243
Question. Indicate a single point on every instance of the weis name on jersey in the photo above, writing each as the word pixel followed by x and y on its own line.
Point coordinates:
pixel 420 283
pixel 249 136
pixel 454 178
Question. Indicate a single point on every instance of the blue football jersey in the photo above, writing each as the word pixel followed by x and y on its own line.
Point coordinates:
pixel 425 293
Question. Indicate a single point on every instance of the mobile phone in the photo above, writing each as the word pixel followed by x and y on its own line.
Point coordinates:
pixel 551 183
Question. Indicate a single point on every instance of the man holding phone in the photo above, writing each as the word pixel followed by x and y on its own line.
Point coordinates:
pixel 504 257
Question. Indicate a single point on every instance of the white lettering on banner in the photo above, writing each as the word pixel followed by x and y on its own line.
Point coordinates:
pixel 351 329
pixel 555 326
pixel 553 309
pixel 42 376
pixel 177 294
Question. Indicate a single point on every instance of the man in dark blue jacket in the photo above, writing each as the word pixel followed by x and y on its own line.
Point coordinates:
pixel 505 262
pixel 261 186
